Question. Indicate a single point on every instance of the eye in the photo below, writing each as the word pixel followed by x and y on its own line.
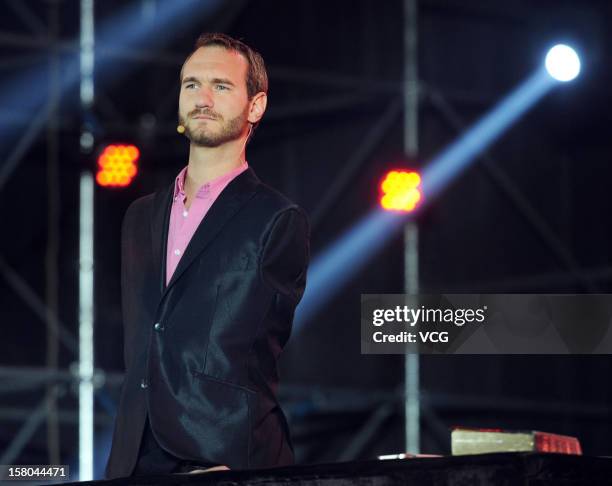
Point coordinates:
pixel 190 85
pixel 221 87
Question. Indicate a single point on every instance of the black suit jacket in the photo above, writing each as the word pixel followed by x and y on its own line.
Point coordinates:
pixel 201 354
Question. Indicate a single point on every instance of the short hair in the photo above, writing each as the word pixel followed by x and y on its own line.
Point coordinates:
pixel 256 75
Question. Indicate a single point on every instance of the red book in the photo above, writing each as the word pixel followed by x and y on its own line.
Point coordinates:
pixel 482 441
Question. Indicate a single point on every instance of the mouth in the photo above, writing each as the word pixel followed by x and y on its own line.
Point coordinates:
pixel 203 117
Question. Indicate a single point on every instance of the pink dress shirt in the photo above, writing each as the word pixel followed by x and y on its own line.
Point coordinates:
pixel 183 222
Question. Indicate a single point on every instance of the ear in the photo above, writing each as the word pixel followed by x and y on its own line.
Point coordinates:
pixel 258 107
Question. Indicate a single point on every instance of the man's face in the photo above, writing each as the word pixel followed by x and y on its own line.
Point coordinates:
pixel 213 102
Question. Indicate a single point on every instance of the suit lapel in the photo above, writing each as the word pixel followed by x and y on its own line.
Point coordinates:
pixel 232 198
pixel 160 220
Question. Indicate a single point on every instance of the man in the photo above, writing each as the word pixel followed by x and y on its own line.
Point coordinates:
pixel 212 270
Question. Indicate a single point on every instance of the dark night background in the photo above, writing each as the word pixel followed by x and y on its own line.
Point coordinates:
pixel 532 216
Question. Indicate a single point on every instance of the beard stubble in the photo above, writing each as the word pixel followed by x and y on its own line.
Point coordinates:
pixel 206 136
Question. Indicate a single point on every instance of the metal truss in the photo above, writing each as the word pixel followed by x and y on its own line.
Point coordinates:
pixel 54 383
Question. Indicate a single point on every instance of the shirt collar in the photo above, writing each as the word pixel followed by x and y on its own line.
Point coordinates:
pixel 222 180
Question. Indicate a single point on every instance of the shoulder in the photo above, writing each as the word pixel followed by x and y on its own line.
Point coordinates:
pixel 282 217
pixel 273 203
pixel 139 208
pixel 146 204
pixel 142 203
pixel 142 209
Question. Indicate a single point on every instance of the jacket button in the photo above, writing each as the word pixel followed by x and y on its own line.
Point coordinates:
pixel 143 383
pixel 158 326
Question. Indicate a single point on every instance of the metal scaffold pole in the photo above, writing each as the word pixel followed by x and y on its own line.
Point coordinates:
pixel 86 259
pixel 411 235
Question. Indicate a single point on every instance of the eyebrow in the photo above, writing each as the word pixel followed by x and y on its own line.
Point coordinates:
pixel 193 79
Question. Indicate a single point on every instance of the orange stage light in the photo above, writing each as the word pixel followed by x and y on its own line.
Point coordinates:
pixel 117 165
pixel 400 191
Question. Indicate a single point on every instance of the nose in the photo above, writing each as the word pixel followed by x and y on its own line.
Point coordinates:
pixel 204 98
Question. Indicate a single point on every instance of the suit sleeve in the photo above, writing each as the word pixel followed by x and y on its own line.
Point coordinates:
pixel 286 252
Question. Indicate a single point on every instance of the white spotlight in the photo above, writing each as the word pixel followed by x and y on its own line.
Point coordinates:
pixel 562 63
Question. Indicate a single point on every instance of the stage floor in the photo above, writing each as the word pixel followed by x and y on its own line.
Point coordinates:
pixel 486 469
